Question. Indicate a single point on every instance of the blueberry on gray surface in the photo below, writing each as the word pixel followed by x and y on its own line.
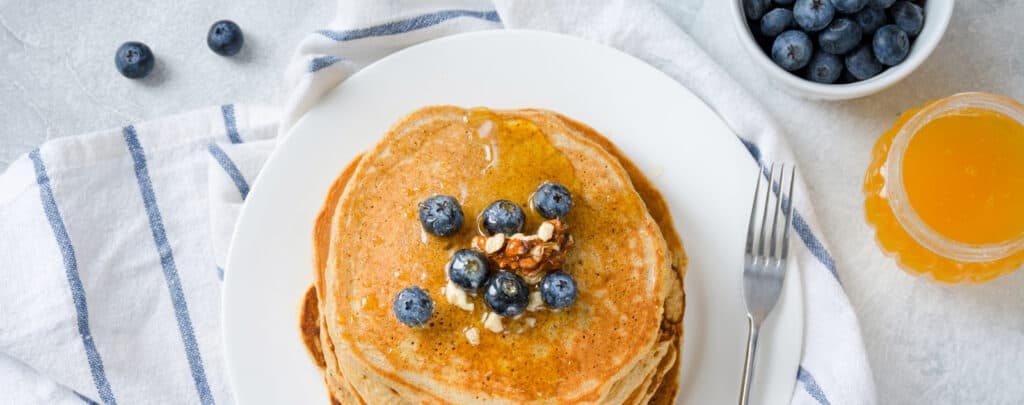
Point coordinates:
pixel 507 294
pixel 467 269
pixel 134 60
pixel 813 15
pixel 891 45
pixel 776 21
pixel 503 216
pixel 792 50
pixel 908 16
pixel 849 6
pixel 754 9
pixel 870 19
pixel 784 2
pixel 413 306
pixel 824 67
pixel 558 289
pixel 840 37
pixel 552 200
pixel 225 38
pixel 441 215
pixel 880 4
pixel 862 64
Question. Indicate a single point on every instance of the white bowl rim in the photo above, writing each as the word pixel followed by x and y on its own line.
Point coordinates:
pixel 937 19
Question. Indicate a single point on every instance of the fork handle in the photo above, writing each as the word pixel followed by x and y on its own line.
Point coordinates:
pixel 748 363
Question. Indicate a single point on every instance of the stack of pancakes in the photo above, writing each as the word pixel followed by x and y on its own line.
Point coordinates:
pixel 619 343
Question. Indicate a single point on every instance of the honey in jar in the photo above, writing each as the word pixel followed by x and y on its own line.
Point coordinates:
pixel 945 189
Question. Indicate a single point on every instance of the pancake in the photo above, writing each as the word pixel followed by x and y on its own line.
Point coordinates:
pixel 619 343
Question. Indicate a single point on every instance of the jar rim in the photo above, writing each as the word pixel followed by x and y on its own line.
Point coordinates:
pixel 899 201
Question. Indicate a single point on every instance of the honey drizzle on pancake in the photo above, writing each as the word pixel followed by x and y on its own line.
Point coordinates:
pixel 519 158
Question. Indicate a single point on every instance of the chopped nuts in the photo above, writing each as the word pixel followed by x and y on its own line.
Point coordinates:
pixel 530 255
pixel 493 323
pixel 531 322
pixel 473 336
pixel 545 231
pixel 533 279
pixel 537 252
pixel 536 303
pixel 494 243
pixel 456 296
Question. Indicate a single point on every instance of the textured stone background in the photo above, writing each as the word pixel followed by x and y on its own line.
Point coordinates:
pixel 928 343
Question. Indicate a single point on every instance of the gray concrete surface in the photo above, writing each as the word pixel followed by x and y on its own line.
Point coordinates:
pixel 57 75
pixel 928 343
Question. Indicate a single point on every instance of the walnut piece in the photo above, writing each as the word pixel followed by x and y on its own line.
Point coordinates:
pixel 531 255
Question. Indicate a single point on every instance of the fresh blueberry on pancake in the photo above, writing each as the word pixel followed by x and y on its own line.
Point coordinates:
pixel 441 215
pixel 503 216
pixel 468 269
pixel 558 289
pixel 552 200
pixel 413 306
pixel 507 294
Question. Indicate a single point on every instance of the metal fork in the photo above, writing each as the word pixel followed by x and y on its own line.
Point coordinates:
pixel 764 265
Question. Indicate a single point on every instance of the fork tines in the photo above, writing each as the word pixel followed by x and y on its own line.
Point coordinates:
pixel 772 195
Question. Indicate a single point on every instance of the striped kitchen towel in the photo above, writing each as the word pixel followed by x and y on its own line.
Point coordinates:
pixel 111 244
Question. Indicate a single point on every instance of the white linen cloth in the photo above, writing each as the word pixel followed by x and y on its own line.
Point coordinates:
pixel 112 243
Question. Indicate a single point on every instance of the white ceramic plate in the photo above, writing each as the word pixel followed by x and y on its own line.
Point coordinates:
pixel 704 172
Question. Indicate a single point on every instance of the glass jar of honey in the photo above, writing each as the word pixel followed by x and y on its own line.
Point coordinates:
pixel 945 189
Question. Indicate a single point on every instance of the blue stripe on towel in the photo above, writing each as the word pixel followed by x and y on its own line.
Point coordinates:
pixel 811 386
pixel 230 126
pixel 156 224
pixel 229 166
pixel 220 273
pixel 67 250
pixel 321 62
pixel 410 24
pixel 800 226
pixel 84 399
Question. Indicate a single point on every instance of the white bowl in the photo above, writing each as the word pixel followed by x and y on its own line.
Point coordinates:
pixel 936 18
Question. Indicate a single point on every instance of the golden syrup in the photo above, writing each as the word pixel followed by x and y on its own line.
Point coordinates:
pixel 962 176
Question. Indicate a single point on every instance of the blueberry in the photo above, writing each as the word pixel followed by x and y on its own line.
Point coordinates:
pixel 784 2
pixel 840 37
pixel 862 64
pixel 467 269
pixel 441 215
pixel 870 19
pixel 225 38
pixel 558 289
pixel 813 15
pixel 891 45
pixel 824 67
pixel 134 60
pixel 792 50
pixel 909 16
pixel 413 306
pixel 776 21
pixel 507 294
pixel 552 200
pixel 754 9
pixel 503 216
pixel 880 4
pixel 849 6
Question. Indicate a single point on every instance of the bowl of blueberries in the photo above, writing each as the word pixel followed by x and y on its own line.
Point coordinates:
pixel 840 49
